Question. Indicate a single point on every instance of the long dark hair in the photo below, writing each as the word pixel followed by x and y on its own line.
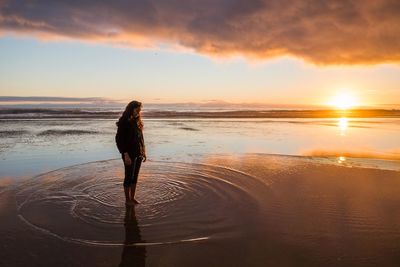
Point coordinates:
pixel 127 115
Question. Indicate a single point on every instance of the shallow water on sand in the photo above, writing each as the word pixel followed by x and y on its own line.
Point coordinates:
pixel 180 203
pixel 248 210
pixel 44 145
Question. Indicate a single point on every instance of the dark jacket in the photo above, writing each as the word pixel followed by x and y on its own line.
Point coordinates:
pixel 129 138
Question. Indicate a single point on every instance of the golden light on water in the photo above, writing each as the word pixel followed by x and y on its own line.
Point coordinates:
pixel 342 124
pixel 341 159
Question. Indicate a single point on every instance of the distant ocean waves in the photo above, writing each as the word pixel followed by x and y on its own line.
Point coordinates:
pixel 47 113
pixel 18 133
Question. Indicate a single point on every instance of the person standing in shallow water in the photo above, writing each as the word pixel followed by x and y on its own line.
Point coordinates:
pixel 130 143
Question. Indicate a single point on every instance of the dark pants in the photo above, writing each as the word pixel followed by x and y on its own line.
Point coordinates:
pixel 132 171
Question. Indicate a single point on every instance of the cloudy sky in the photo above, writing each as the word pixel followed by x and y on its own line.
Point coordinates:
pixel 287 52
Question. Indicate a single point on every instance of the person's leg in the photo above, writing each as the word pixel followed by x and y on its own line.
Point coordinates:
pixel 132 192
pixel 127 194
pixel 137 164
pixel 127 182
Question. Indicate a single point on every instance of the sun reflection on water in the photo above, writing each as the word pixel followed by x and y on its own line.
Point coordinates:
pixel 341 159
pixel 342 123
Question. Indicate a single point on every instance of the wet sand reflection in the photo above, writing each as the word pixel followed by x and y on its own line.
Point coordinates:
pixel 132 254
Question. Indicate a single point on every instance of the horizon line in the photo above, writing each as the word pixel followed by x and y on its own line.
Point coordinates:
pixel 93 101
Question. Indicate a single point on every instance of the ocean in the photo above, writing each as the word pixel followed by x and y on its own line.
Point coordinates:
pixel 35 140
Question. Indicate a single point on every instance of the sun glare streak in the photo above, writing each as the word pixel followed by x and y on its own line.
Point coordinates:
pixel 343 123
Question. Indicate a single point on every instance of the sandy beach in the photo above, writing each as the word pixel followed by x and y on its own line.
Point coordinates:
pixel 249 210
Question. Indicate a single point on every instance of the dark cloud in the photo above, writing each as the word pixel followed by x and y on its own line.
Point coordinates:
pixel 322 32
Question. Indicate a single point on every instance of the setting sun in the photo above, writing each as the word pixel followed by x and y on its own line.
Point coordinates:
pixel 343 100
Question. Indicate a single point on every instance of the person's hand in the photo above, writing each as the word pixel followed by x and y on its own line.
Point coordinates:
pixel 127 159
pixel 144 158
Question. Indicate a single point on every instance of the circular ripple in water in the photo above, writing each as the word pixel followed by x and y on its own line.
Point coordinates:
pixel 180 202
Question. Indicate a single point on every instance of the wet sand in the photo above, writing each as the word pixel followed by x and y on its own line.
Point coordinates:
pixel 252 210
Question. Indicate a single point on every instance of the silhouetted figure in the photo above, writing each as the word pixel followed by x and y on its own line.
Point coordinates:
pixel 130 143
pixel 132 255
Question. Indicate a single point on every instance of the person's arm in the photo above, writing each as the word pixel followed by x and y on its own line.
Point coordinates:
pixel 144 148
pixel 121 139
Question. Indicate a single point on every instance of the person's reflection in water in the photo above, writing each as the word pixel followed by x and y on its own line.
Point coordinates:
pixel 132 255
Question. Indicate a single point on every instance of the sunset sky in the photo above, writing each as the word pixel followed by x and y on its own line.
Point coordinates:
pixel 252 51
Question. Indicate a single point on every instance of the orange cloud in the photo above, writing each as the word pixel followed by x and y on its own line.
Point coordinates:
pixel 321 32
